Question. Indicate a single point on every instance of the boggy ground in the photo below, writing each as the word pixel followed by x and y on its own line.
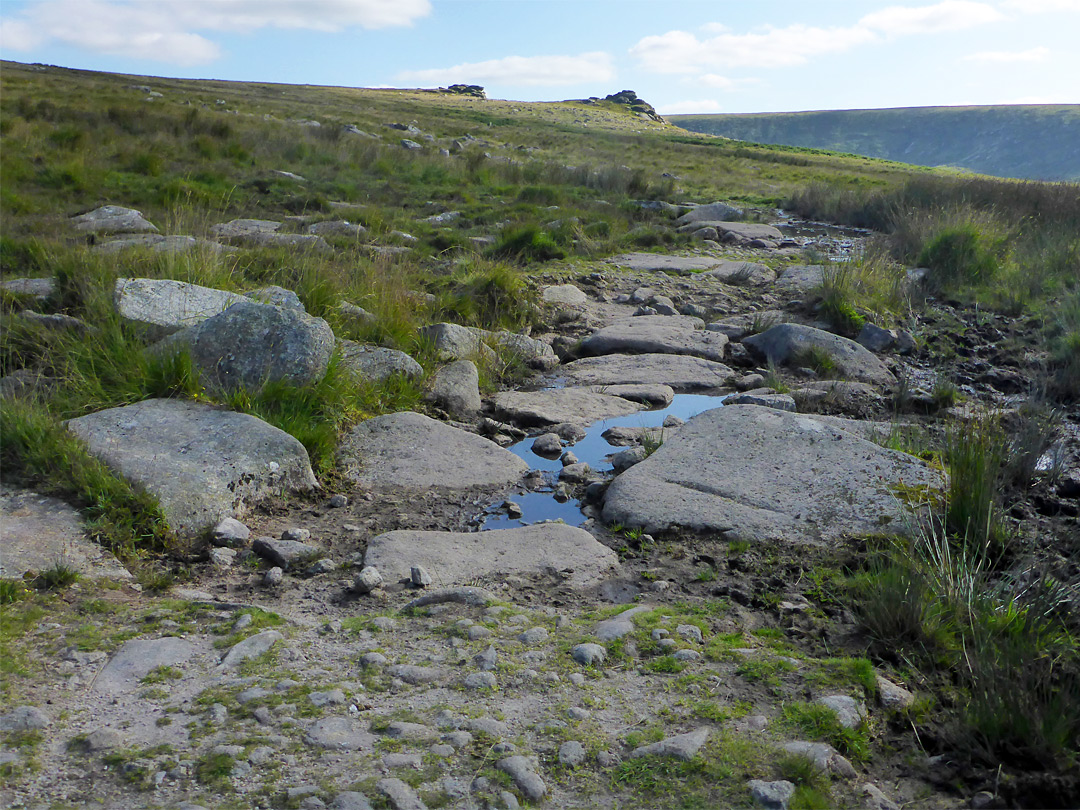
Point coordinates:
pixel 360 700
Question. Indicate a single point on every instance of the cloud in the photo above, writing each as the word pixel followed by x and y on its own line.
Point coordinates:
pixel 951 15
pixel 723 82
pixel 520 70
pixel 1039 54
pixel 168 30
pixel 707 105
pixel 1041 6
pixel 792 45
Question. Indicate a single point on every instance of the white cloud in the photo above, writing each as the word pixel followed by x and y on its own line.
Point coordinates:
pixel 1039 54
pixel 520 70
pixel 167 30
pixel 773 47
pixel 707 105
pixel 1041 6
pixel 950 15
pixel 722 82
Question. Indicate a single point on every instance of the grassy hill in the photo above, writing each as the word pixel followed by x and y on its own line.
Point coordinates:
pixel 1023 141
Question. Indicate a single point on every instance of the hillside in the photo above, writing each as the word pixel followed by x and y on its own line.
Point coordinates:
pixel 1029 142
pixel 401 449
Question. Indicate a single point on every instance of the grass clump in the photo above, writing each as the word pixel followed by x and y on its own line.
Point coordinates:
pixel 527 243
pixel 959 255
pixel 820 723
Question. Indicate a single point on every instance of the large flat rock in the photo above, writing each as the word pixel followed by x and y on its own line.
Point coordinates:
pixel 802 278
pixel 459 557
pixel 760 473
pixel 743 273
pixel 164 306
pixel 136 658
pixel 578 405
pixel 681 372
pixel 654 262
pixel 656 334
pixel 412 451
pixel 789 343
pixel 203 464
pixel 37 532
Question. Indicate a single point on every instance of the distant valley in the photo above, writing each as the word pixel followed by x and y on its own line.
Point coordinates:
pixel 1035 142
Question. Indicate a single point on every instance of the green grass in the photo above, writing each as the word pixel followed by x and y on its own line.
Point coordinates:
pixel 819 722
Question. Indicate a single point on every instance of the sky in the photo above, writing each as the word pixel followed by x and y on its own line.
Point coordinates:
pixel 682 56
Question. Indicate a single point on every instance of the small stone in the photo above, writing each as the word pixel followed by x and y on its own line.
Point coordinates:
pixel 458 739
pixel 263 717
pixel 534 635
pixel 571 753
pixel 513 510
pixel 480 680
pixel 892 696
pixel 367 580
pixel 230 532
pixel 523 772
pixel 295 535
pixel 273 577
pixel 401 796
pixel 384 624
pixel 485 661
pixel 338 501
pixel 24 718
pixel 442 750
pixel 576 712
pixel 589 654
pixel 772 795
pixel 877 800
pixel 478 632
pixel 372 659
pixel 981 800
pixel 222 557
pixel 687 655
pixel 606 759
pixel 690 632
pixel 419 576
pixel 548 445
pixel 680 746
pixel 849 712
pixel 321 566
pixel 333 697
pixel 576 678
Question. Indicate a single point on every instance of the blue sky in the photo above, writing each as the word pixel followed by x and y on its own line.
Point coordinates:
pixel 680 55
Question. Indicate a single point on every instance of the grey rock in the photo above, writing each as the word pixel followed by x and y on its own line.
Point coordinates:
pixel 442 219
pixel 875 798
pixel 656 334
pixel 458 739
pixel 337 227
pixel 376 363
pixel 769 474
pixel 849 712
pixel 284 553
pixel 658 206
pixel 55 322
pixel 112 219
pixel 230 532
pixel 39 531
pixel 782 402
pixel 454 342
pixel 619 625
pixel 655 396
pixel 265 233
pixel 355 315
pixel 710 212
pixel 400 795
pixel 134 660
pixel 553 406
pixel 456 389
pixel 772 795
pixel 480 680
pixel 372 659
pixel 524 774
pixel 222 557
pixel 250 344
pixel 463 556
pixel 801 278
pixel 274 577
pixel 680 746
pixel 892 696
pixel 24 718
pixel 367 580
pixel 739 232
pixel 628 458
pixel 103 739
pixel 162 306
pixel 277 297
pixel 419 576
pixel 340 734
pixel 411 451
pixel 534 636
pixel 742 274
pixel 838 396
pixel 736 327
pixel 324 565
pixel 576 472
pixel 413 732
pixel 415 675
pixel 824 757
pixel 658 262
pixel 475 597
pixel 690 632
pixel 687 655
pixel 409 144
pixel 680 372
pixel 571 753
pixel 486 660
pixel 250 647
pixel 478 633
pixel 547 444
pixel 786 344
pixel 159 243
pixel 563 295
pixel 37 288
pixel 588 654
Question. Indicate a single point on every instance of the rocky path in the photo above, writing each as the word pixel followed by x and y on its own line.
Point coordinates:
pixel 370 648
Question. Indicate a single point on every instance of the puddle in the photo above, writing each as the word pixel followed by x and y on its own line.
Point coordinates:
pixel 836 242
pixel 539 505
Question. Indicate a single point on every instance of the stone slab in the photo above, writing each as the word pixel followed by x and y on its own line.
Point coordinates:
pixel 681 372
pixel 656 334
pixel 551 407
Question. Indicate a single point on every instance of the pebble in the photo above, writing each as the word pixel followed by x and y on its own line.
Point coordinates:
pixel 486 660
pixel 367 580
pixel 534 635
pixel 571 753
pixel 478 632
pixel 772 795
pixel 589 654
pixel 523 772
pixel 419 576
pixel 295 535
pixel 338 501
pixel 576 678
pixel 384 624
pixel 480 680
pixel 274 577
pixel 458 739
pixel 578 713
pixel 690 632
pixel 230 532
